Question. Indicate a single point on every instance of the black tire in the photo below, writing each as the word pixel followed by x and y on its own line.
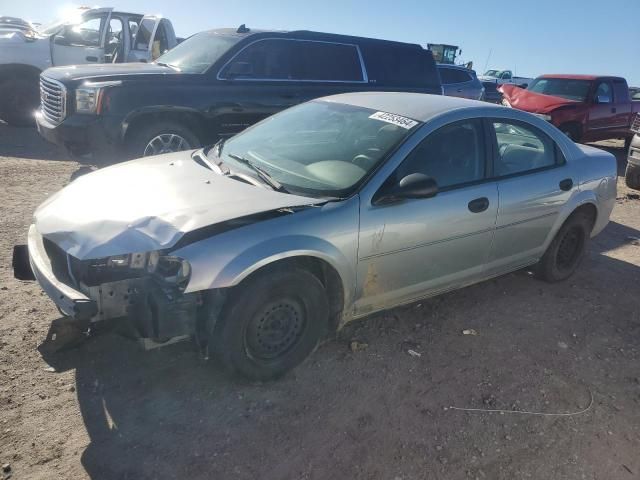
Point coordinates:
pixel 566 251
pixel 20 100
pixel 572 131
pixel 632 176
pixel 290 305
pixel 137 144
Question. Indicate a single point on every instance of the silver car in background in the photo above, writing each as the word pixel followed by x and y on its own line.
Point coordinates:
pixel 262 245
pixel 458 81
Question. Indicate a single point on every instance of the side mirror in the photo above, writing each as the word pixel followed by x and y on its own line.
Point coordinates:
pixel 240 69
pixel 603 99
pixel 414 185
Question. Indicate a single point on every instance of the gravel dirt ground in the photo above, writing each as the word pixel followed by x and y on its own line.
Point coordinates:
pixel 107 409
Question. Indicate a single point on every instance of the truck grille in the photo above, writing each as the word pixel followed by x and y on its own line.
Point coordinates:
pixel 635 125
pixel 53 100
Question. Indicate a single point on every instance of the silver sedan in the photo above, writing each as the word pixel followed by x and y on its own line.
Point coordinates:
pixel 261 246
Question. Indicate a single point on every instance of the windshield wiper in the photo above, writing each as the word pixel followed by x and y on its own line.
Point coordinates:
pixel 268 179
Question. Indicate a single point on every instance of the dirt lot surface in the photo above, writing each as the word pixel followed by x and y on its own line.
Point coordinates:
pixel 106 409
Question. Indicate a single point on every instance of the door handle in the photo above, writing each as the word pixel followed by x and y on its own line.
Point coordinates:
pixel 566 184
pixel 478 205
pixel 91 58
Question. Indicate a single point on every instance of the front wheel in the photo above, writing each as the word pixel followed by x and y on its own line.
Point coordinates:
pixel 161 137
pixel 566 250
pixel 271 323
pixel 632 176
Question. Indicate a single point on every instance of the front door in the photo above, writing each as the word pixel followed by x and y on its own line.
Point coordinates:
pixel 416 247
pixel 81 43
pixel 602 112
pixel 534 182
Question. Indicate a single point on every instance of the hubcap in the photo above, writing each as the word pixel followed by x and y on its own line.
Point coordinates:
pixel 275 330
pixel 569 248
pixel 166 143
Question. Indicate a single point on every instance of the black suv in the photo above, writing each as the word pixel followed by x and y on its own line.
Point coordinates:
pixel 215 84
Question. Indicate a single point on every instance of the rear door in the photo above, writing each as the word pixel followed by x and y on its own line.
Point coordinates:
pixel 602 112
pixel 82 42
pixel 534 182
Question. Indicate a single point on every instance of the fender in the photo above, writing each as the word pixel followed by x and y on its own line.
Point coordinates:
pixel 156 110
pixel 264 253
pixel 581 198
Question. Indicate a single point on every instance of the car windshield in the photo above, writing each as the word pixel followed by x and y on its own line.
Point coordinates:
pixel 197 53
pixel 561 87
pixel 318 149
pixel 491 73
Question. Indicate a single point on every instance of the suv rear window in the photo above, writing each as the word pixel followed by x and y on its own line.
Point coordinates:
pixel 285 59
pixel 453 75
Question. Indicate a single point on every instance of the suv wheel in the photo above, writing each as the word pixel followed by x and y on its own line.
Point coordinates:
pixel 161 137
pixel 271 323
pixel 566 250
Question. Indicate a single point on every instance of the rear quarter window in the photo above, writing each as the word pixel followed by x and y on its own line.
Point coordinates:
pixel 400 66
pixel 453 75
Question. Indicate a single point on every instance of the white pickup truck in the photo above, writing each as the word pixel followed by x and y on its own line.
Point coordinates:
pixel 88 35
pixel 502 77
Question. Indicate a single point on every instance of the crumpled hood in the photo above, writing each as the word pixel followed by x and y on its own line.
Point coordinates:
pixel 531 101
pixel 148 204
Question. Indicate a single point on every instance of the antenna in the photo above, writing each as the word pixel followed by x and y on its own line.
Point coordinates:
pixel 488 57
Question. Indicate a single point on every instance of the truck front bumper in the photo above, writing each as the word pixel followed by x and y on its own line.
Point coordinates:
pixel 80 134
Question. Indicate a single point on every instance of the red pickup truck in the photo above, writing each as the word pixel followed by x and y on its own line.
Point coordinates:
pixel 587 108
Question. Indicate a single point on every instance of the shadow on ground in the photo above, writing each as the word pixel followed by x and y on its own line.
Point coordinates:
pixel 24 142
pixel 381 413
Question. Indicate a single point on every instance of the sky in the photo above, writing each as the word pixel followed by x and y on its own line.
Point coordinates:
pixel 530 37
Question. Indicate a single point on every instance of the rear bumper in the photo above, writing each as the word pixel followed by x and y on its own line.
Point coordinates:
pixel 70 301
pixel 80 134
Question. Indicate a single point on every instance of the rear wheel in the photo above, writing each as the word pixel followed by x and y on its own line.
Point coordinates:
pixel 566 250
pixel 271 323
pixel 20 100
pixel 161 137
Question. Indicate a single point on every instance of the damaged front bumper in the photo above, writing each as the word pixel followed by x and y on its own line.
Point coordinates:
pixel 69 300
pixel 155 310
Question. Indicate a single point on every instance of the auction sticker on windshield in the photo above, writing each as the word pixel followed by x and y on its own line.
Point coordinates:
pixel 394 119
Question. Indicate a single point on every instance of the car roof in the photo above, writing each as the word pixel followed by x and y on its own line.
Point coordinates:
pixel 417 106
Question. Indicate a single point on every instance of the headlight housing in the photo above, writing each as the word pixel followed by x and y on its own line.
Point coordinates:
pixel 169 269
pixel 90 95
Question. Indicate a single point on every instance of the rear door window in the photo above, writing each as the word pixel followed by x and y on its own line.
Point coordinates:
pixel 280 59
pixel 522 148
pixel 453 75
